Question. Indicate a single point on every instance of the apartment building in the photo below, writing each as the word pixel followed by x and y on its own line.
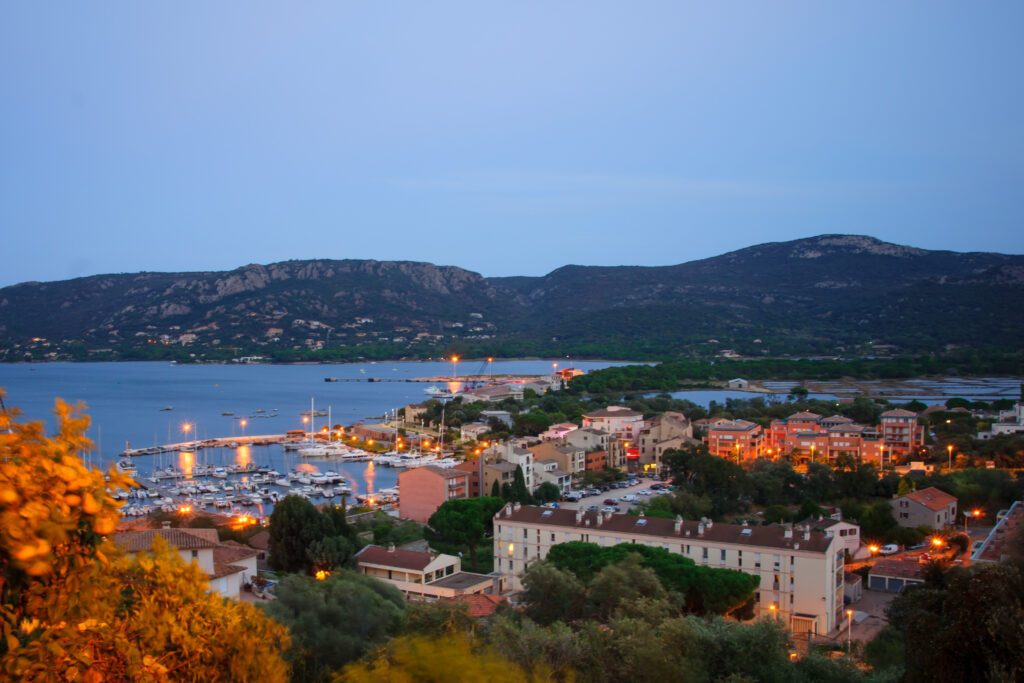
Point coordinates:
pixel 801 569
pixel 735 439
pixel 572 459
pixel 425 489
pixel 618 421
pixel 900 431
pixel 661 433
pixel 422 576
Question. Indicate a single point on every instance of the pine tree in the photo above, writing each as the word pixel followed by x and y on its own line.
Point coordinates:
pixel 520 493
pixel 496 490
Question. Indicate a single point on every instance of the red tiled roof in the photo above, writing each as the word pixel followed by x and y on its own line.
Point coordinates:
pixel 182 539
pixel 769 536
pixel 900 569
pixel 402 559
pixel 231 551
pixel 932 498
pixel 479 605
pixel 221 570
pixel 899 412
pixel 804 415
pixel 613 412
pixel 260 540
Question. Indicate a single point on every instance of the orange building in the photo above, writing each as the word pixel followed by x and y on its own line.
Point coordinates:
pixel 900 431
pixel 735 439
pixel 423 489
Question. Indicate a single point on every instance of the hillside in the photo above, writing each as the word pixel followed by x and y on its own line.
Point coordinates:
pixel 827 294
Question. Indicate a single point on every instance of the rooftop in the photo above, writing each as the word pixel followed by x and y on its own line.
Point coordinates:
pixel 900 569
pixel 182 539
pixel 932 498
pixel 461 580
pixel 899 412
pixel 773 536
pixel 479 605
pixel 733 426
pixel 614 411
pixel 230 552
pixel 804 415
pixel 394 557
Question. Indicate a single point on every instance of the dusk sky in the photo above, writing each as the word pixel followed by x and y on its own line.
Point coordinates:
pixel 506 138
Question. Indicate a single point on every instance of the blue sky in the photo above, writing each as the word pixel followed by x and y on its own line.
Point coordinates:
pixel 507 138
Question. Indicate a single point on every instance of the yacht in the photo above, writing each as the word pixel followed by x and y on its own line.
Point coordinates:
pixel 126 466
pixel 438 392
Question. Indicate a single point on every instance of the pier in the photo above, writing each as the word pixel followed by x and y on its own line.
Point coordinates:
pixel 220 442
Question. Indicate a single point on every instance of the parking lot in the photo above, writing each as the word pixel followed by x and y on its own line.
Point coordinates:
pixel 641 490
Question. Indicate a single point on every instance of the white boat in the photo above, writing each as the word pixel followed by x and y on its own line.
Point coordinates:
pixel 126 466
pixel 220 473
pixel 282 482
pixel 438 392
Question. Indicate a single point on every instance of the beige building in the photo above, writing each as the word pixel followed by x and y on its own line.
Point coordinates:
pixel 618 421
pixel 801 570
pixel 661 433
pixel 571 459
pixel 421 575
pixel 927 507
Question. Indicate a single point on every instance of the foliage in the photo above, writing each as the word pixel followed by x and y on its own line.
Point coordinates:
pixel 437 660
pixel 294 525
pixel 704 590
pixel 335 621
pixel 519 493
pixel 73 607
pixel 552 594
pixel 466 522
pixel 547 492
pixel 970 628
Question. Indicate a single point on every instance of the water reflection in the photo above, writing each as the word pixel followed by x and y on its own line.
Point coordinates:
pixel 243 456
pixel 186 461
pixel 368 475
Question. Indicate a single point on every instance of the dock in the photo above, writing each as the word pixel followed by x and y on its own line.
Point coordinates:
pixel 220 442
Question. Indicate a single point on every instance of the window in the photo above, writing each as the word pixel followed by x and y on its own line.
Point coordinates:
pixel 195 553
pixel 526 534
pixel 704 554
pixel 722 557
pixel 552 538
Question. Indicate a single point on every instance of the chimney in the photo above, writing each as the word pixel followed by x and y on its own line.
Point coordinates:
pixel 579 516
pixel 788 531
pixel 508 509
pixel 600 519
pixel 165 525
pixel 586 522
pixel 807 532
pixel 391 548
pixel 678 525
pixel 700 529
pixel 517 506
pixel 796 546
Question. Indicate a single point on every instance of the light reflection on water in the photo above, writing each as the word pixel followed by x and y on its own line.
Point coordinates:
pixel 243 456
pixel 186 461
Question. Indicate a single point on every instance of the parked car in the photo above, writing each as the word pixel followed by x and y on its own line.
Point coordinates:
pixel 592 508
pixel 610 501
pixel 889 549
pixel 630 498
pixel 644 492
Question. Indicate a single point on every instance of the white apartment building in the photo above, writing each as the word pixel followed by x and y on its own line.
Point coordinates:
pixel 801 570
pixel 618 421
pixel 517 455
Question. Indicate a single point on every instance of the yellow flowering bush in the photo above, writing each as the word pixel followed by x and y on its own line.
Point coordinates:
pixel 75 608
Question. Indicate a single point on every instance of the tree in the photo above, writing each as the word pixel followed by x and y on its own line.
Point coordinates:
pixel 294 525
pixel 466 521
pixel 495 490
pixel 625 582
pixel 335 621
pixel 552 594
pixel 333 552
pixel 547 492
pixel 519 492
pixel 437 660
pixel 73 607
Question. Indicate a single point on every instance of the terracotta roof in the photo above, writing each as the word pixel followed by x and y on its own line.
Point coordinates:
pixel 443 472
pixel 766 536
pixel 899 412
pixel 182 539
pixel 932 498
pixel 403 559
pixel 804 415
pixel 260 540
pixel 221 570
pixel 479 605
pixel 900 569
pixel 733 426
pixel 502 466
pixel 231 551
pixel 613 411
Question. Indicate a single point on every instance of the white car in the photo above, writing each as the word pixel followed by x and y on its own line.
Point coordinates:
pixel 644 492
pixel 630 498
pixel 889 549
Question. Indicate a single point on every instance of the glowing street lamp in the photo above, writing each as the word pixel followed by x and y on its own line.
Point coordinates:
pixel 937 542
pixel 455 366
pixel 321 574
pixel 243 424
pixel 186 427
pixel 774 609
pixel 971 513
pixel 849 629
pixel 949 449
pixel 873 549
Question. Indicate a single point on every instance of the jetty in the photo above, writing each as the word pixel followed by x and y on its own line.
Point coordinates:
pixel 220 442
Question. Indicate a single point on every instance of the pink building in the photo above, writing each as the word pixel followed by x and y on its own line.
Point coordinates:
pixel 424 489
pixel 735 439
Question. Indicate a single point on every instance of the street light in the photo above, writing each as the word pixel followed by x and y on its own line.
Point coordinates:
pixel 455 366
pixel 949 448
pixel 971 513
pixel 773 609
pixel 243 424
pixel 849 629
pixel 937 542
pixel 873 549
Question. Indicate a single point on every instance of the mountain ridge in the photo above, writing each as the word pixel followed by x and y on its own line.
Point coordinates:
pixel 829 293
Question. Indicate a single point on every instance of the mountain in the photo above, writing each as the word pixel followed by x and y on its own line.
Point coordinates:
pixel 828 294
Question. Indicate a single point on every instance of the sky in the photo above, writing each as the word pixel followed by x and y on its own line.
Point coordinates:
pixel 506 138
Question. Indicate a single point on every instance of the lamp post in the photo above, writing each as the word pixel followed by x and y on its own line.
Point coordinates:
pixel 949 449
pixel 455 367
pixel 773 608
pixel 243 424
pixel 812 452
pixel 849 630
